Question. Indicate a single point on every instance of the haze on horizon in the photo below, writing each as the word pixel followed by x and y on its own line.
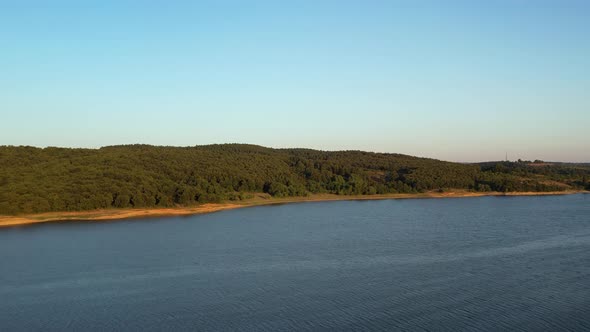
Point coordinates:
pixel 459 80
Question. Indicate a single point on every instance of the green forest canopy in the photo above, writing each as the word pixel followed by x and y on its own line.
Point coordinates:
pixel 61 179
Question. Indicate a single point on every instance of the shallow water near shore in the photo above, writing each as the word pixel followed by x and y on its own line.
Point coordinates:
pixel 486 263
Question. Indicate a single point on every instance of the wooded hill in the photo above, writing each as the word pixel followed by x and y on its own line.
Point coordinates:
pixel 59 179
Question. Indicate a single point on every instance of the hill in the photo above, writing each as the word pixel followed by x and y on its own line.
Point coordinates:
pixel 34 180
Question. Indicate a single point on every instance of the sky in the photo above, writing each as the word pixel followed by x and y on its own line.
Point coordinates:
pixel 452 80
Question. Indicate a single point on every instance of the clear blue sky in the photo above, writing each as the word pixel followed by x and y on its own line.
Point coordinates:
pixel 454 80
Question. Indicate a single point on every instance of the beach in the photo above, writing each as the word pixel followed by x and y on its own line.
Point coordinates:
pixel 257 200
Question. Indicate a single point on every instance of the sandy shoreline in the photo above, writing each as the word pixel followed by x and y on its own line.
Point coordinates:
pixel 258 200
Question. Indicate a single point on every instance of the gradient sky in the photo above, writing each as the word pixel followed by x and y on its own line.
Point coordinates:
pixel 453 80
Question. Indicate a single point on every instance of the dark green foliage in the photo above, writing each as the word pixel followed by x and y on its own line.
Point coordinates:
pixel 133 176
pixel 532 176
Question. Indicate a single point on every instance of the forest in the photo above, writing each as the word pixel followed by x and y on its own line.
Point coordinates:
pixel 34 180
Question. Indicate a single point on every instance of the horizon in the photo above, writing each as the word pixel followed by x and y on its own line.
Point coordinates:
pixel 302 148
pixel 455 81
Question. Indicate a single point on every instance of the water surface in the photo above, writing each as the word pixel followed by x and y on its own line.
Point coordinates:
pixel 486 263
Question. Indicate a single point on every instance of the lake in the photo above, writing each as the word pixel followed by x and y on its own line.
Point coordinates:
pixel 484 263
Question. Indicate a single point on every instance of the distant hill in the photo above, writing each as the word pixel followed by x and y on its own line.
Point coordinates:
pixel 60 179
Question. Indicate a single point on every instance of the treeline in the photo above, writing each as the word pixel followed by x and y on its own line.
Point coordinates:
pixel 59 179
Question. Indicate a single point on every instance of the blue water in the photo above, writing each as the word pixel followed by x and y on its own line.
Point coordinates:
pixel 487 263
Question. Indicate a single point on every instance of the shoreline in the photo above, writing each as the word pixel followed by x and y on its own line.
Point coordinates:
pixel 258 200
